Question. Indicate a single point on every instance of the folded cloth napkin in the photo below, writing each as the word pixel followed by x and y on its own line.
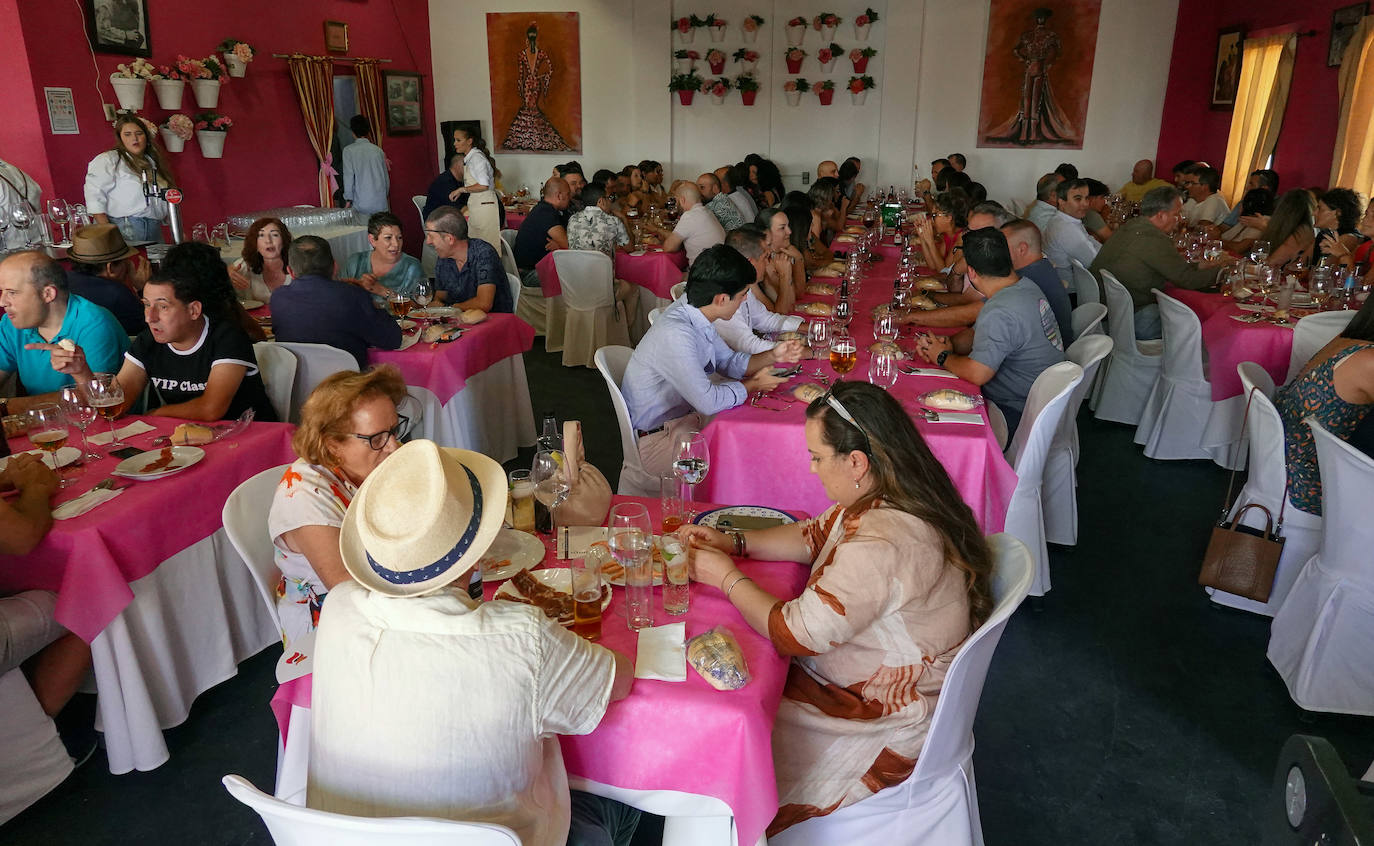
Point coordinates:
pixel 88 500
pixel 137 427
pixel 933 371
pixel 958 417
pixel 662 653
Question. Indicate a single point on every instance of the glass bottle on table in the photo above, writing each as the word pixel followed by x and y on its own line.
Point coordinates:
pixel 631 544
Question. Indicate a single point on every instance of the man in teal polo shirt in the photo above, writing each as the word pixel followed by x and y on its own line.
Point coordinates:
pixel 39 313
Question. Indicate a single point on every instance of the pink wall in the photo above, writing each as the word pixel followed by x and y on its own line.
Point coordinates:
pixel 22 130
pixel 267 160
pixel 1192 130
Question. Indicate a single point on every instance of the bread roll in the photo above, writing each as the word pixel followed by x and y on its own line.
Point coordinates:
pixel 67 344
pixel 192 434
pixel 807 392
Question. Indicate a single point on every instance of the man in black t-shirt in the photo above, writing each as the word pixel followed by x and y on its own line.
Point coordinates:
pixel 545 229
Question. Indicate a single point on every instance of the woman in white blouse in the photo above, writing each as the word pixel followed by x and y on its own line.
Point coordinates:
pixel 262 269
pixel 479 183
pixel 115 180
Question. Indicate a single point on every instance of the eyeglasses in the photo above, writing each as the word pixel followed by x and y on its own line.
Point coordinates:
pixel 942 214
pixel 378 441
pixel 834 402
pixel 438 232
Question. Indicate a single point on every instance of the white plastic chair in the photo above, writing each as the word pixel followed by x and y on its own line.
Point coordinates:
pixel 292 825
pixel 938 803
pixel 1265 485
pixel 508 235
pixel 428 258
pixel 1323 635
pixel 634 479
pixel 1045 407
pixel 654 313
pixel 1131 371
pixel 245 523
pixel 507 250
pixel 1059 491
pixel 1084 284
pixel 314 363
pixel 419 200
pixel 546 314
pixel 1311 333
pixel 594 318
pixel 1176 411
pixel 278 367
pixel 676 290
pixel 35 761
pixel 1087 319
pixel 514 282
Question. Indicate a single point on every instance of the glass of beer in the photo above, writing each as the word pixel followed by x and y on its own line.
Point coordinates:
pixel 586 592
pixel 106 396
pixel 400 304
pixel 522 501
pixel 48 432
pixel 843 354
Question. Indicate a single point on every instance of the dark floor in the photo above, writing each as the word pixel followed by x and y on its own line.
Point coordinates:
pixel 1127 711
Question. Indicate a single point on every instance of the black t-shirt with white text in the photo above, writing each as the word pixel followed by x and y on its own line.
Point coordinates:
pixel 177 376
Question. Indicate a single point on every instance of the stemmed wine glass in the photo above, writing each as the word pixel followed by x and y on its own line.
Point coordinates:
pixel 424 294
pixel 691 461
pixel 550 485
pixel 818 337
pixel 882 370
pixel 22 216
pixel 48 432
pixel 57 213
pixel 80 413
pixel 106 395
pixel 887 327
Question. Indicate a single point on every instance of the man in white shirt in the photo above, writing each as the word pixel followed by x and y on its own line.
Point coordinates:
pixel 697 229
pixel 365 179
pixel 732 182
pixel 16 188
pixel 427 703
pixel 753 315
pixel 1064 236
pixel 1046 202
pixel 1205 204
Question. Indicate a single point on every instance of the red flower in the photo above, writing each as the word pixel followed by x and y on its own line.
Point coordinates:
pixel 861 20
pixel 824 55
pixel 684 24
pixel 856 85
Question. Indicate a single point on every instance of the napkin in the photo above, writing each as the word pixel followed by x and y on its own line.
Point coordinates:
pixel 298 660
pixel 88 500
pixel 575 541
pixel 931 371
pixel 408 341
pixel 958 417
pixel 662 653
pixel 137 427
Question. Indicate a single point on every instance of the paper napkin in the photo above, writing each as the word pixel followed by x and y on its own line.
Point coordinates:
pixel 958 417
pixel 662 653
pixel 88 500
pixel 137 427
pixel 574 541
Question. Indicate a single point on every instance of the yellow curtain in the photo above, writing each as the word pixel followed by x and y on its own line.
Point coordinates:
pixel 1353 165
pixel 371 103
pixel 1266 70
pixel 313 77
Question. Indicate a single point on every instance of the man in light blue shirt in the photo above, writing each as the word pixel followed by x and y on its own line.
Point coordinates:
pixel 365 179
pixel 40 313
pixel 1045 206
pixel 683 372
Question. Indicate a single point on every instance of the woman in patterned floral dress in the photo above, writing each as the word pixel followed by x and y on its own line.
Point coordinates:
pixel 900 575
pixel 530 129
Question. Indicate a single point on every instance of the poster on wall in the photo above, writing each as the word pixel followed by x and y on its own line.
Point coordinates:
pixel 403 104
pixel 61 111
pixel 1037 72
pixel 536 81
pixel 1226 74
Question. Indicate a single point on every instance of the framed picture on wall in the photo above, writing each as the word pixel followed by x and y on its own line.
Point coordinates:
pixel 119 26
pixel 403 114
pixel 1343 23
pixel 1226 74
pixel 336 36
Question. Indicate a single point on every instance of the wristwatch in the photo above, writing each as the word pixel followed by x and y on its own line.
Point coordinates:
pixel 940 359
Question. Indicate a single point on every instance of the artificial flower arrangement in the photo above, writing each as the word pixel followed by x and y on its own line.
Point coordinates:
pixel 860 58
pixel 716 59
pixel 798 85
pixel 743 55
pixel 718 88
pixel 213 122
pixel 179 125
pixel 748 86
pixel 797 21
pixel 686 27
pixel 793 57
pixel 714 20
pixel 862 22
pixel 686 85
pixel 686 54
pixel 137 69
pixel 242 50
pixel 212 68
pixel 861 83
pixel 825 90
pixel 828 55
pixel 826 20
pixel 753 22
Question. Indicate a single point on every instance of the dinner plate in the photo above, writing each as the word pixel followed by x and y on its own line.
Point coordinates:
pixel 252 304
pixel 137 467
pixel 509 553
pixel 66 455
pixel 614 574
pixel 640 253
pixel 712 517
pixel 434 312
pixel 558 578
pixel 406 324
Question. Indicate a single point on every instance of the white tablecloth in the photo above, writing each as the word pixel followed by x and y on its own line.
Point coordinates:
pixel 491 415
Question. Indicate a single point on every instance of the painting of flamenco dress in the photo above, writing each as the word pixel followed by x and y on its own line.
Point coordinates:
pixel 1038 120
pixel 531 129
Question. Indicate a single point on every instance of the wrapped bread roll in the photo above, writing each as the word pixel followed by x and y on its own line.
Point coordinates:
pixel 192 434
pixel 929 283
pixel 820 288
pixel 807 392
pixel 716 657
pixel 889 348
pixel 948 399
pixel 816 309
pixel 473 316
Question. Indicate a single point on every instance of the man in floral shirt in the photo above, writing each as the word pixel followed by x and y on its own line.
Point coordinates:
pixel 596 228
pixel 719 202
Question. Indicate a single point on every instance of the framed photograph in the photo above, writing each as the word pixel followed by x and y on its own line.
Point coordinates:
pixel 1343 23
pixel 336 36
pixel 403 113
pixel 1226 73
pixel 61 111
pixel 120 26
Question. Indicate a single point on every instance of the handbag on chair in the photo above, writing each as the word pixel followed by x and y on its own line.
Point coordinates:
pixel 1240 559
pixel 589 494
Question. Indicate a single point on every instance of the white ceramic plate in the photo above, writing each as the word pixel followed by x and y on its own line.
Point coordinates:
pixel 66 455
pixel 614 574
pixel 712 517
pixel 513 550
pixel 136 467
pixel 406 324
pixel 252 304
pixel 558 578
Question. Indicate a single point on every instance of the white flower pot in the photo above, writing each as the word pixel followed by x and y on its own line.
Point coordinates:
pixel 206 91
pixel 211 143
pixel 169 92
pixel 688 36
pixel 236 66
pixel 827 67
pixel 793 97
pixel 129 92
pixel 827 34
pixel 718 100
pixel 859 97
pixel 750 35
pixel 685 65
pixel 717 33
pixel 172 142
pixel 750 67
pixel 861 32
pixel 795 35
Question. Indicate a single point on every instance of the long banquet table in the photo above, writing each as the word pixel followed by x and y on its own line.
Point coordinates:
pixel 151 582
pixel 1229 342
pixel 701 757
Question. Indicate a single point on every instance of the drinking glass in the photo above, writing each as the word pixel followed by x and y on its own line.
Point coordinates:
pixel 586 592
pixel 57 213
pixel 106 395
pixel 424 294
pixel 48 432
pixel 1259 252
pixel 80 413
pixel 219 236
pixel 670 502
pixel 550 485
pixel 79 217
pixel 4 228
pixel 691 461
pixel 843 354
pixel 400 304
pixel 200 233
pixel 887 326
pixel 22 216
pixel 521 501
pixel 818 336
pixel 882 370
pixel 631 543
pixel 1319 286
pixel 1264 279
pixel 677 595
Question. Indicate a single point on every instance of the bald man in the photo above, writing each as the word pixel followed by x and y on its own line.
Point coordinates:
pixel 1142 181
pixel 545 229
pixel 697 230
pixel 715 198
pixel 827 168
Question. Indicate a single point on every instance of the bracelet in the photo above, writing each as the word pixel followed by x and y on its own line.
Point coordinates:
pixel 738 538
pixel 742 578
pixel 732 584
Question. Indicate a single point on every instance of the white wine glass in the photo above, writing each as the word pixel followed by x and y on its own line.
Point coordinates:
pixel 106 396
pixel 22 216
pixel 691 461
pixel 81 414
pixel 882 370
pixel 550 484
pixel 57 213
pixel 818 337
pixel 48 432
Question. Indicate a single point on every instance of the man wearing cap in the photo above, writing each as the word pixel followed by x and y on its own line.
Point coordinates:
pixel 427 703
pixel 107 271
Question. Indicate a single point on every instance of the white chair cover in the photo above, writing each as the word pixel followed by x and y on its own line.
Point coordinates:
pixel 1131 371
pixel 292 825
pixel 546 314
pixel 594 318
pixel 938 803
pixel 677 289
pixel 1265 486
pixel 507 250
pixel 634 479
pixel 314 364
pixel 1059 491
pixel 428 258
pixel 1087 319
pixel 34 759
pixel 1045 407
pixel 1175 414
pixel 1313 332
pixel 245 522
pixel 1084 284
pixel 1323 635
pixel 513 281
pixel 278 367
pixel 653 315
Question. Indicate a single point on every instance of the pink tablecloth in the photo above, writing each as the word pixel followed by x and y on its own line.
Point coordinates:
pixel 758 456
pixel 684 736
pixel 514 219
pixel 90 560
pixel 444 369
pixel 1229 342
pixel 654 271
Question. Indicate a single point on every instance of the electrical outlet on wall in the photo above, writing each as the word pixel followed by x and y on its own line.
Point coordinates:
pixel 806 177
pixel 109 112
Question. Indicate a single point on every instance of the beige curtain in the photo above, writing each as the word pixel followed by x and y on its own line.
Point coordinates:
pixel 371 103
pixel 313 77
pixel 1266 69
pixel 1353 165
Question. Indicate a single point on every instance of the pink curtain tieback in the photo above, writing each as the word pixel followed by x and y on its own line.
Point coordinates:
pixel 327 167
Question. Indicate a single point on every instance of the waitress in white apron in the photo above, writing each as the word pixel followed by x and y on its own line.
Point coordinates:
pixel 479 183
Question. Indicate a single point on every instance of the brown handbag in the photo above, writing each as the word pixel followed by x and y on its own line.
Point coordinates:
pixel 1241 559
pixel 589 494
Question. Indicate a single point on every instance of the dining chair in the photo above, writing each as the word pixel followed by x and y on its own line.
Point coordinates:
pixel 507 249
pixel 1264 485
pixel 292 825
pixel 1084 285
pixel 1030 445
pixel 547 315
pixel 1176 410
pixel 1134 365
pixel 1311 333
pixel 676 290
pixel 938 802
pixel 654 313
pixel 594 317
pixel 35 759
pixel 1087 320
pixel 1059 491
pixel 514 282
pixel 634 479
pixel 1323 634
pixel 1314 798
pixel 314 363
pixel 278 367
pixel 245 523
pixel 419 200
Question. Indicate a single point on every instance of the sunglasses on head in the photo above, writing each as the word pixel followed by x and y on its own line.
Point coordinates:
pixel 834 402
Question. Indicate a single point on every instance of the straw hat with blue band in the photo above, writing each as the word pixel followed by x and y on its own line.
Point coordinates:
pixel 423 518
